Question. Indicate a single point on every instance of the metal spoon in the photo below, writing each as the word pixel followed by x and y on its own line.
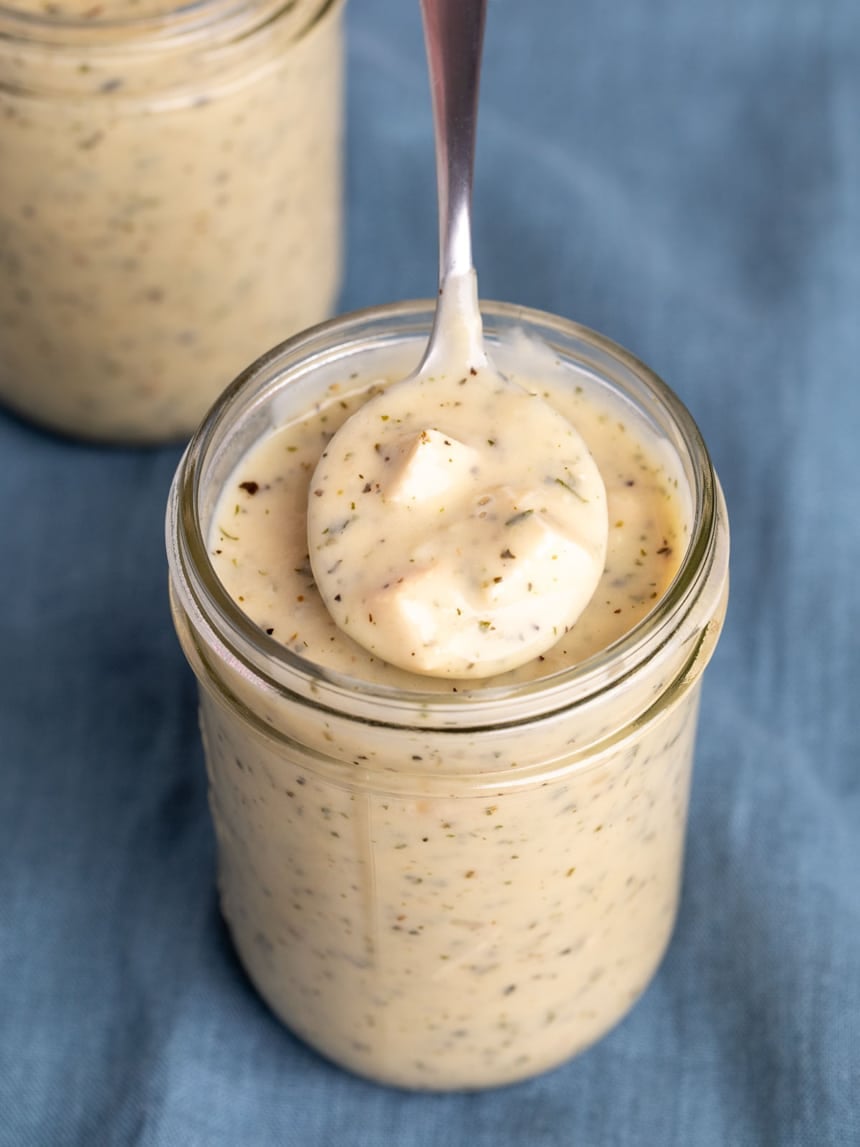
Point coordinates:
pixel 454 37
pixel 457 523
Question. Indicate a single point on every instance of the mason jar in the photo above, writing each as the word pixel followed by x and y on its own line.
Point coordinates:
pixel 170 202
pixel 458 888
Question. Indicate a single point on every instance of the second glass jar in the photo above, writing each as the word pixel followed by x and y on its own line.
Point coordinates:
pixel 171 202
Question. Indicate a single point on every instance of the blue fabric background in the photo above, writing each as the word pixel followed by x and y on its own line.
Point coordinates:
pixel 684 177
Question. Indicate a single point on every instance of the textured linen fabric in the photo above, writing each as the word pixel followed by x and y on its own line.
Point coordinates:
pixel 684 177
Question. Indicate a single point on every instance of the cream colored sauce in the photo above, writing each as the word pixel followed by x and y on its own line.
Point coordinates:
pixel 166 216
pixel 260 551
pixel 442 932
pixel 457 525
pixel 449 940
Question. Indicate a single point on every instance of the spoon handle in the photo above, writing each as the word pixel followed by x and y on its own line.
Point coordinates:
pixel 454 36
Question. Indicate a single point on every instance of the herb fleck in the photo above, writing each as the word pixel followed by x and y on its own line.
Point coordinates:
pixel 570 489
pixel 520 517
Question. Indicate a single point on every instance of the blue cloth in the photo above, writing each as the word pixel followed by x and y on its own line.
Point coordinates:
pixel 683 177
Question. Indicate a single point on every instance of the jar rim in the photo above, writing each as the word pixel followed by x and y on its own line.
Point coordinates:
pixel 185 56
pixel 174 25
pixel 246 645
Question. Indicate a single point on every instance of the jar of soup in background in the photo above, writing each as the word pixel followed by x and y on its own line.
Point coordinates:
pixel 446 889
pixel 170 202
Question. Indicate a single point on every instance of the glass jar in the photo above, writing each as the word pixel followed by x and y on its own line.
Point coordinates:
pixel 447 890
pixel 170 202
